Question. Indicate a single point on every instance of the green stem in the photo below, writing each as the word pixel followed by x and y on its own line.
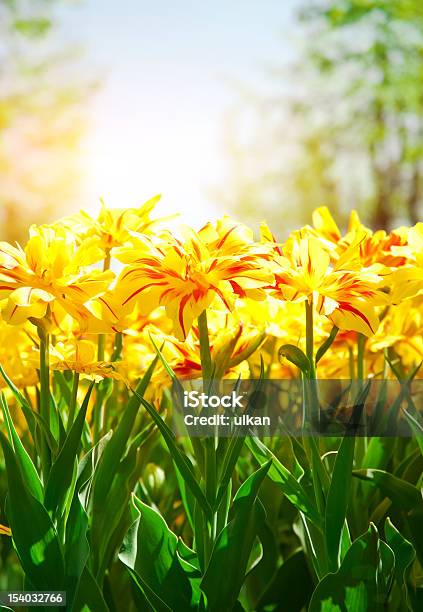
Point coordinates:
pixel 117 350
pixel 44 375
pixel 98 414
pixel 351 362
pixel 311 412
pixel 103 412
pixel 361 341
pixel 310 337
pixel 210 467
pixel 99 408
pixel 44 396
pixel 74 396
pixel 205 355
pixel 361 445
pixel 101 345
pixel 311 395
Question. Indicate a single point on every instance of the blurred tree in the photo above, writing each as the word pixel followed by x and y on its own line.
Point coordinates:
pixel 348 131
pixel 278 168
pixel 41 115
pixel 373 51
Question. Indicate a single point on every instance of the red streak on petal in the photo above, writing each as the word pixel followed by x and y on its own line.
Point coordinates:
pixel 309 259
pixel 181 313
pixel 166 292
pixel 109 307
pixel 13 312
pixel 222 297
pixel 225 237
pixel 197 251
pixel 141 289
pixel 349 308
pixel 237 288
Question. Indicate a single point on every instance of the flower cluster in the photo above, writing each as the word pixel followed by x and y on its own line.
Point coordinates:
pixel 86 281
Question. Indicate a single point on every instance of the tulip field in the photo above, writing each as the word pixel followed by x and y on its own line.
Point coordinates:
pixel 106 321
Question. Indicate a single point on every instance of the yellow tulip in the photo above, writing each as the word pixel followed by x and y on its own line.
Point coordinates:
pixel 50 274
pixel 81 356
pixel 343 292
pixel 113 226
pixel 185 276
pixel 408 279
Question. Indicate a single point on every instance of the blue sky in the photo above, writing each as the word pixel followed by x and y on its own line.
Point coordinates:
pixel 170 72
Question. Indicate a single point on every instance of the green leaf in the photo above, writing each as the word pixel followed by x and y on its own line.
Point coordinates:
pixel 187 497
pixel 60 476
pixel 142 436
pixel 150 550
pixel 338 498
pixel 296 356
pixel 233 546
pixel 354 587
pixel 236 443
pixel 403 394
pixel 115 448
pixel 182 462
pixel 410 463
pixel 200 530
pixel 265 566
pixel 114 519
pixel 414 521
pixel 378 453
pixel 65 387
pixel 29 473
pixel 291 488
pixel 77 548
pixel 166 366
pixel 189 558
pixel 247 352
pixel 86 468
pixel 292 584
pixel 403 550
pixel 88 597
pixel 416 599
pixel 146 598
pixel 33 532
pixel 323 348
pixel 400 378
pixel 340 485
pixel 385 571
pixel 231 457
pixel 416 427
pixel 44 428
pixel 401 492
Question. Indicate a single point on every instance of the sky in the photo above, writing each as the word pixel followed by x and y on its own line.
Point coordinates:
pixel 170 70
